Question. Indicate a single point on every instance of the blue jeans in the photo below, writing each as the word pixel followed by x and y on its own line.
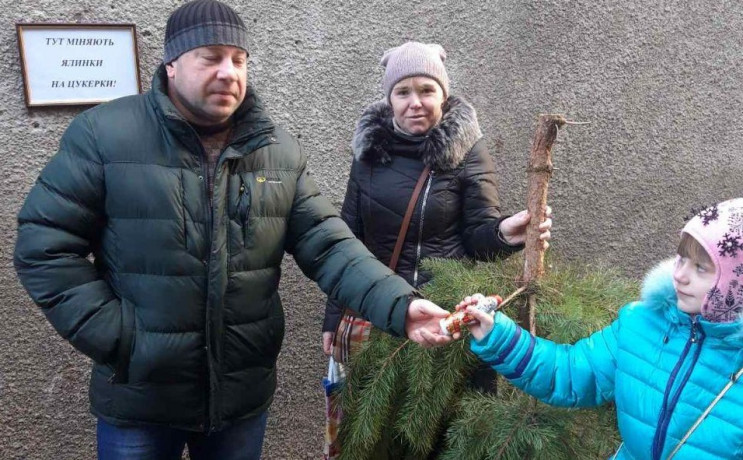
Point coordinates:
pixel 241 441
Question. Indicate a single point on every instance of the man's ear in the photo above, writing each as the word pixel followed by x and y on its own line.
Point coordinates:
pixel 170 69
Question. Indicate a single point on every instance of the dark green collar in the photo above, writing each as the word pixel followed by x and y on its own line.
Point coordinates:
pixel 249 120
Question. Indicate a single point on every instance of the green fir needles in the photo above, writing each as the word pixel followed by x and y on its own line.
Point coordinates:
pixel 401 401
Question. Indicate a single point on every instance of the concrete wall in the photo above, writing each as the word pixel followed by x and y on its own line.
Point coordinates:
pixel 659 82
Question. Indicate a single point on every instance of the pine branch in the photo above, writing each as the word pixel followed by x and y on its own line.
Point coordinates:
pixel 422 394
pixel 394 353
pixel 511 434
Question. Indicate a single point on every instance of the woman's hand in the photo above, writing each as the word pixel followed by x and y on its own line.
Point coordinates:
pixel 484 323
pixel 327 342
pixel 513 229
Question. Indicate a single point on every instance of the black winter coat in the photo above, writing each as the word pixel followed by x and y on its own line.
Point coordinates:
pixel 457 214
pixel 180 311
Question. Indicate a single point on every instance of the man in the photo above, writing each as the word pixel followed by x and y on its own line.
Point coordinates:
pixel 188 197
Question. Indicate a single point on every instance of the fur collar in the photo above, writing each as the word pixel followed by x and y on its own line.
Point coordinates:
pixel 443 148
pixel 657 287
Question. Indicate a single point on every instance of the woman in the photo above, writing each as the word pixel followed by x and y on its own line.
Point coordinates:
pixel 456 215
pixel 419 124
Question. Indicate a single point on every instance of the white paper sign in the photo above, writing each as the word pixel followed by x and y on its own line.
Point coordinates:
pixel 78 64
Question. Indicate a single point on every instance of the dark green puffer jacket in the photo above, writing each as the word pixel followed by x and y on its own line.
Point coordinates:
pixel 179 310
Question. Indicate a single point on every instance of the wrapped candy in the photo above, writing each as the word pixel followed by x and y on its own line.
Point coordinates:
pixel 457 320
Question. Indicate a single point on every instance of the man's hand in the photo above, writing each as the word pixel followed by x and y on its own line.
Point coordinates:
pixel 327 342
pixel 422 324
pixel 513 229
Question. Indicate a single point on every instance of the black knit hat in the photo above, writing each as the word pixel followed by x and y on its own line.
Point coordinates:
pixel 203 23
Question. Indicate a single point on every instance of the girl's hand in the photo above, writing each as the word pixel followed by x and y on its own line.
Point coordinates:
pixel 469 300
pixel 485 321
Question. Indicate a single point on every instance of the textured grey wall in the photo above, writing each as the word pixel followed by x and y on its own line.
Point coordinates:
pixel 659 82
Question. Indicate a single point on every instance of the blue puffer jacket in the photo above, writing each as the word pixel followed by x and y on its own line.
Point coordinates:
pixel 660 366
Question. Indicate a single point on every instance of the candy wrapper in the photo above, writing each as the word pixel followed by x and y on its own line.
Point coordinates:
pixel 456 321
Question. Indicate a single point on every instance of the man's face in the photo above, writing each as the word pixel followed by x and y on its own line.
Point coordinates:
pixel 207 84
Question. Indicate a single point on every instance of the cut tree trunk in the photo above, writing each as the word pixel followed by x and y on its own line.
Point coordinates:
pixel 539 171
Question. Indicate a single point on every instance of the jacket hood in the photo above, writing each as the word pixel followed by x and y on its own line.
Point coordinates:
pixel 443 148
pixel 658 293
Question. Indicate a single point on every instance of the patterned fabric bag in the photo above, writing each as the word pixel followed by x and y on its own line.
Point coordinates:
pixel 350 335
pixel 333 412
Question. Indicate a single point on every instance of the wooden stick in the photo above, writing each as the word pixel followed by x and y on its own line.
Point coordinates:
pixel 539 171
pixel 513 295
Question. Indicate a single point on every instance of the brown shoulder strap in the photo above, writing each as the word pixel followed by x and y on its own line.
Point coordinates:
pixel 408 216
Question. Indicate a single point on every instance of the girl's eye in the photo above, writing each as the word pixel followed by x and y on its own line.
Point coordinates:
pixel 701 268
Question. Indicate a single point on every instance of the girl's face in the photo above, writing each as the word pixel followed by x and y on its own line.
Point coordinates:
pixel 417 104
pixel 692 280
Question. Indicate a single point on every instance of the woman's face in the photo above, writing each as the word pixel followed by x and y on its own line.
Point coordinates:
pixel 417 104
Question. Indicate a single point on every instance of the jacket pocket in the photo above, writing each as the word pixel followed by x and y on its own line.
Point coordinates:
pixel 243 210
pixel 121 368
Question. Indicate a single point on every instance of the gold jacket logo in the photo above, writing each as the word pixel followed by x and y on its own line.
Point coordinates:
pixel 268 180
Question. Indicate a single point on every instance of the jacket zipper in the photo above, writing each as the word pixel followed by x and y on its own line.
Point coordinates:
pixel 420 229
pixel 207 329
pixel 696 337
pixel 209 426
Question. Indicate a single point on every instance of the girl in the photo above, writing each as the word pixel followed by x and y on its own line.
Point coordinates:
pixel 663 361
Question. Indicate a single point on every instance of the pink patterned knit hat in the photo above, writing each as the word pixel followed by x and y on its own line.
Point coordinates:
pixel 719 229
